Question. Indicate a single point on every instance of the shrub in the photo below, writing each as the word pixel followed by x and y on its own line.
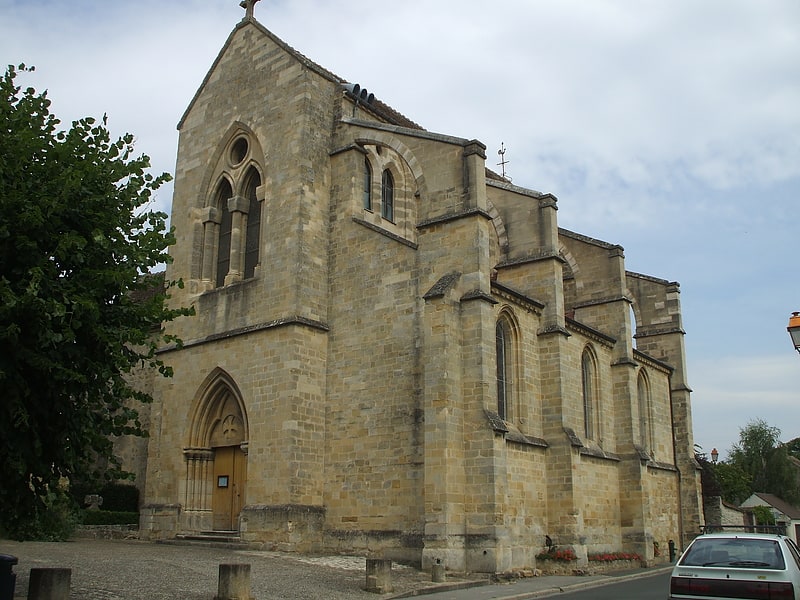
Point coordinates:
pixel 116 496
pixel 120 497
pixel 51 520
pixel 109 517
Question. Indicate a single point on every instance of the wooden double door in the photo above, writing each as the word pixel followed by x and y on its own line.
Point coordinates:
pixel 230 479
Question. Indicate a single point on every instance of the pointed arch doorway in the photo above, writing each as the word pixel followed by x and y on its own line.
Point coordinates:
pixel 230 479
pixel 216 474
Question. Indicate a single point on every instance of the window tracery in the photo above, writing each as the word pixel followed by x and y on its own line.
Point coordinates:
pixel 232 223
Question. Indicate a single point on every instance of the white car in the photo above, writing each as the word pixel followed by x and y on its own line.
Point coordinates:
pixel 753 566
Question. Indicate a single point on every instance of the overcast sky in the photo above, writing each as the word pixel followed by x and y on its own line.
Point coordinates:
pixel 669 127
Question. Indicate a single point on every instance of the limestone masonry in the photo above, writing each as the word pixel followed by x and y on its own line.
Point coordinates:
pixel 397 352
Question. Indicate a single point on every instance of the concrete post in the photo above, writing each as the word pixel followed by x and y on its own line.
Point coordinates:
pixel 49 584
pixel 234 582
pixel 379 575
pixel 437 571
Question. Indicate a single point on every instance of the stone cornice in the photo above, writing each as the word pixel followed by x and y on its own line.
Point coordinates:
pixel 643 332
pixel 652 362
pixel 232 333
pixel 587 331
pixel 531 258
pixel 455 216
pixel 605 300
pixel 389 234
pixel 510 294
pixel 478 295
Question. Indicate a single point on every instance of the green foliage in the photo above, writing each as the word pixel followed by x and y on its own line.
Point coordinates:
pixel 758 463
pixel 77 314
pixel 109 517
pixel 52 519
pixel 735 484
pixel 793 447
pixel 116 496
pixel 763 515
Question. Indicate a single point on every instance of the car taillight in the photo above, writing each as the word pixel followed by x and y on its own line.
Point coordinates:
pixel 781 591
pixel 729 588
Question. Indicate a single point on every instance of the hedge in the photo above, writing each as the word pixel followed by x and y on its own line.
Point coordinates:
pixel 109 517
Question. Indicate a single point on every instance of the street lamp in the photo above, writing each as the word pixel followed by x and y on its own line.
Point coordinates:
pixel 794 329
pixel 714 455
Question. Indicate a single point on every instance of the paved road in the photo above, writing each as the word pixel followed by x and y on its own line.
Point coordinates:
pixel 654 587
pixel 134 570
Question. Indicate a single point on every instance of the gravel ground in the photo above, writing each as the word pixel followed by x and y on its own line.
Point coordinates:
pixel 134 570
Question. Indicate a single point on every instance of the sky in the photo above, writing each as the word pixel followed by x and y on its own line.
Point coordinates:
pixel 669 127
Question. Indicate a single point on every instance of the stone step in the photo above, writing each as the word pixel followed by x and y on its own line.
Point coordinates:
pixel 212 539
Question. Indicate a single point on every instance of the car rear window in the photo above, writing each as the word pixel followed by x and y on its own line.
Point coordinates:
pixel 734 552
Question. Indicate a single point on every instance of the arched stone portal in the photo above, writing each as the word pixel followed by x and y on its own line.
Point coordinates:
pixel 216 457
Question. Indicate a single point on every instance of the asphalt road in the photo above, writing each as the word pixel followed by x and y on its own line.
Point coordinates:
pixel 655 587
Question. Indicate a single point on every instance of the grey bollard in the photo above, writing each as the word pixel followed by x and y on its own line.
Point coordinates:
pixel 379 575
pixel 8 579
pixel 437 571
pixel 234 582
pixel 49 584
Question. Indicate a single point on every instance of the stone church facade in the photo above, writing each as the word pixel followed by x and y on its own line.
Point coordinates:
pixel 397 352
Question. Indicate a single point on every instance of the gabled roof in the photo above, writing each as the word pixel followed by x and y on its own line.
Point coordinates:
pixel 781 505
pixel 380 108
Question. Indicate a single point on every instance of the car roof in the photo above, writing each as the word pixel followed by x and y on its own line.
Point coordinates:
pixel 741 535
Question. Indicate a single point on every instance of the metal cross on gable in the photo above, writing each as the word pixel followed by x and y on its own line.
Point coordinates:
pixel 248 6
pixel 503 162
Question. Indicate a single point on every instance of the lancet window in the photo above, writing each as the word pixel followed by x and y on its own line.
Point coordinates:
pixel 232 223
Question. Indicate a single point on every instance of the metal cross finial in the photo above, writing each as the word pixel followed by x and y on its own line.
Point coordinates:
pixel 248 6
pixel 503 162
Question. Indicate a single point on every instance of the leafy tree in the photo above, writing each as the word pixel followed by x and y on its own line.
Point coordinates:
pixel 793 447
pixel 77 314
pixel 765 460
pixel 735 484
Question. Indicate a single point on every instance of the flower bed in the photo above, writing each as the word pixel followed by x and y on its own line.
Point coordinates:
pixel 565 562
pixel 557 562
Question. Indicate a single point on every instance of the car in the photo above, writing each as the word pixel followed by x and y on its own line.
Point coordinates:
pixel 730 564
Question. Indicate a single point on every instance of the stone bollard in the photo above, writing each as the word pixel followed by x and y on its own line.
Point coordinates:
pixel 379 575
pixel 49 584
pixel 437 571
pixel 234 582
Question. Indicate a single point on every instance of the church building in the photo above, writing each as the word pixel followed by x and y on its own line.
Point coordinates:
pixel 397 352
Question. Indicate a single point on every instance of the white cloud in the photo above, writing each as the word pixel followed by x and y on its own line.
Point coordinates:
pixel 670 128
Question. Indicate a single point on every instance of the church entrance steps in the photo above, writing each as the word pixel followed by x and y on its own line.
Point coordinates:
pixel 211 539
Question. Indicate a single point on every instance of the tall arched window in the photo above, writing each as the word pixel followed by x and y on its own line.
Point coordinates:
pixel 367 185
pixel 589 387
pixel 645 412
pixel 253 234
pixel 224 193
pixel 387 196
pixel 504 351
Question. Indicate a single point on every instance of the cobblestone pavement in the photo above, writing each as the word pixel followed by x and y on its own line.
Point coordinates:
pixel 134 570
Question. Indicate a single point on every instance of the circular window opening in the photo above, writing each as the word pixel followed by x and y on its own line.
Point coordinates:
pixel 239 150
